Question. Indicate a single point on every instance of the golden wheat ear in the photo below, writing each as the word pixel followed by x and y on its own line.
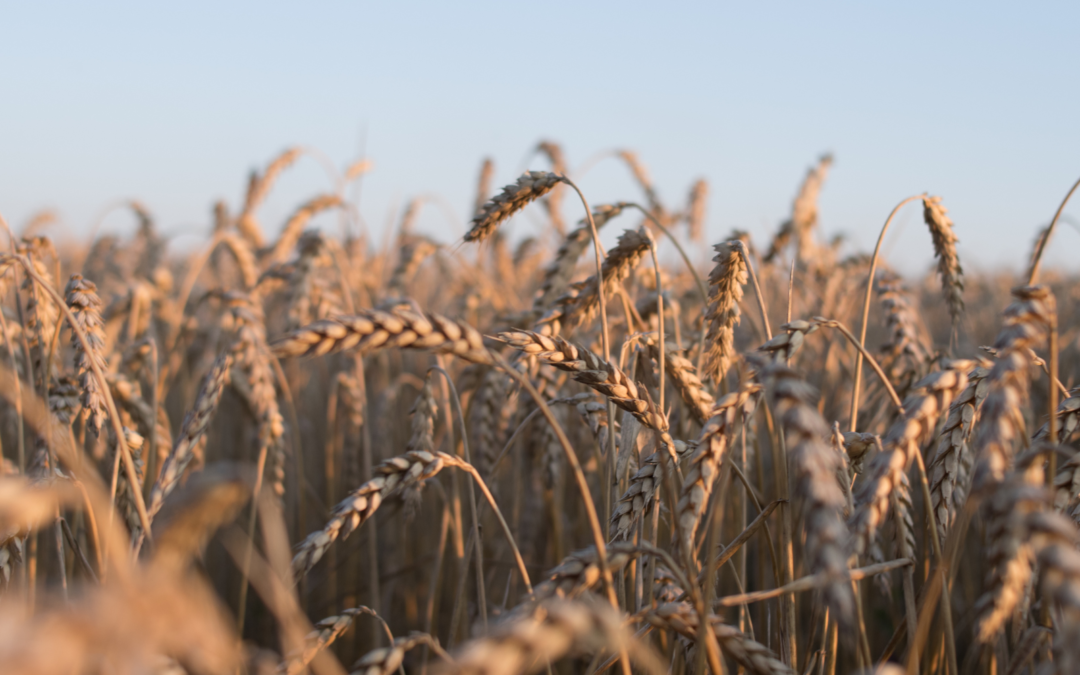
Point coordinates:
pixel 527 189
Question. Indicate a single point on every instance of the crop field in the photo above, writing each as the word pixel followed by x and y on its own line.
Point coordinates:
pixel 293 449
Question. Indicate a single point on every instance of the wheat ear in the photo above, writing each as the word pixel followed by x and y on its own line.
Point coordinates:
pixel 592 371
pixel 324 634
pixel 386 660
pixel 544 634
pixel 1027 320
pixel 85 305
pixel 695 209
pixel 755 657
pixel 361 504
pixel 194 426
pixel 372 329
pixel 726 282
pixel 950 467
pixel 581 303
pixel 815 484
pixel 952 275
pixel 294 227
pixel 528 188
pixel 711 447
pixel 558 273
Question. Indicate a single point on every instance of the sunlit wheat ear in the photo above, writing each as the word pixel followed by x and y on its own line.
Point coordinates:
pixel 1056 538
pixel 642 490
pixel 258 188
pixel 804 215
pixel 298 222
pixel 194 426
pixel 684 377
pixel 244 256
pixel 814 469
pixel 412 254
pixel 325 633
pixel 252 356
pixel 490 417
pixel 755 657
pixel 424 412
pixel 560 271
pixel 666 587
pixel 726 283
pixel 529 187
pixel 387 660
pixel 695 210
pixel 581 303
pixel 545 633
pixel 372 329
pixel 887 472
pixel 1067 480
pixel 710 449
pixel 579 572
pixel 82 299
pixel 592 371
pixel 904 352
pixel 361 504
pixel 1002 421
pixel 950 466
pixel 1008 552
pixel 952 275
pixel 301 282
pixel 594 413
pixel 41 312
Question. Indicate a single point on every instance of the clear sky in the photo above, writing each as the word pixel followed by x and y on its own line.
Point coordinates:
pixel 173 104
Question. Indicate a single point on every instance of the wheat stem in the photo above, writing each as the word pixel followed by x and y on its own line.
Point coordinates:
pixel 866 311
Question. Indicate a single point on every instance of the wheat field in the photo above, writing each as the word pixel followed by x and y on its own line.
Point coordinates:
pixel 312 452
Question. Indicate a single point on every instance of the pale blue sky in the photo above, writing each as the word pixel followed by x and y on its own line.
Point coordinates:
pixel 173 104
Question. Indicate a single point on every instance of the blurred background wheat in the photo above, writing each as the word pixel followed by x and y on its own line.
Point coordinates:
pixel 669 390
